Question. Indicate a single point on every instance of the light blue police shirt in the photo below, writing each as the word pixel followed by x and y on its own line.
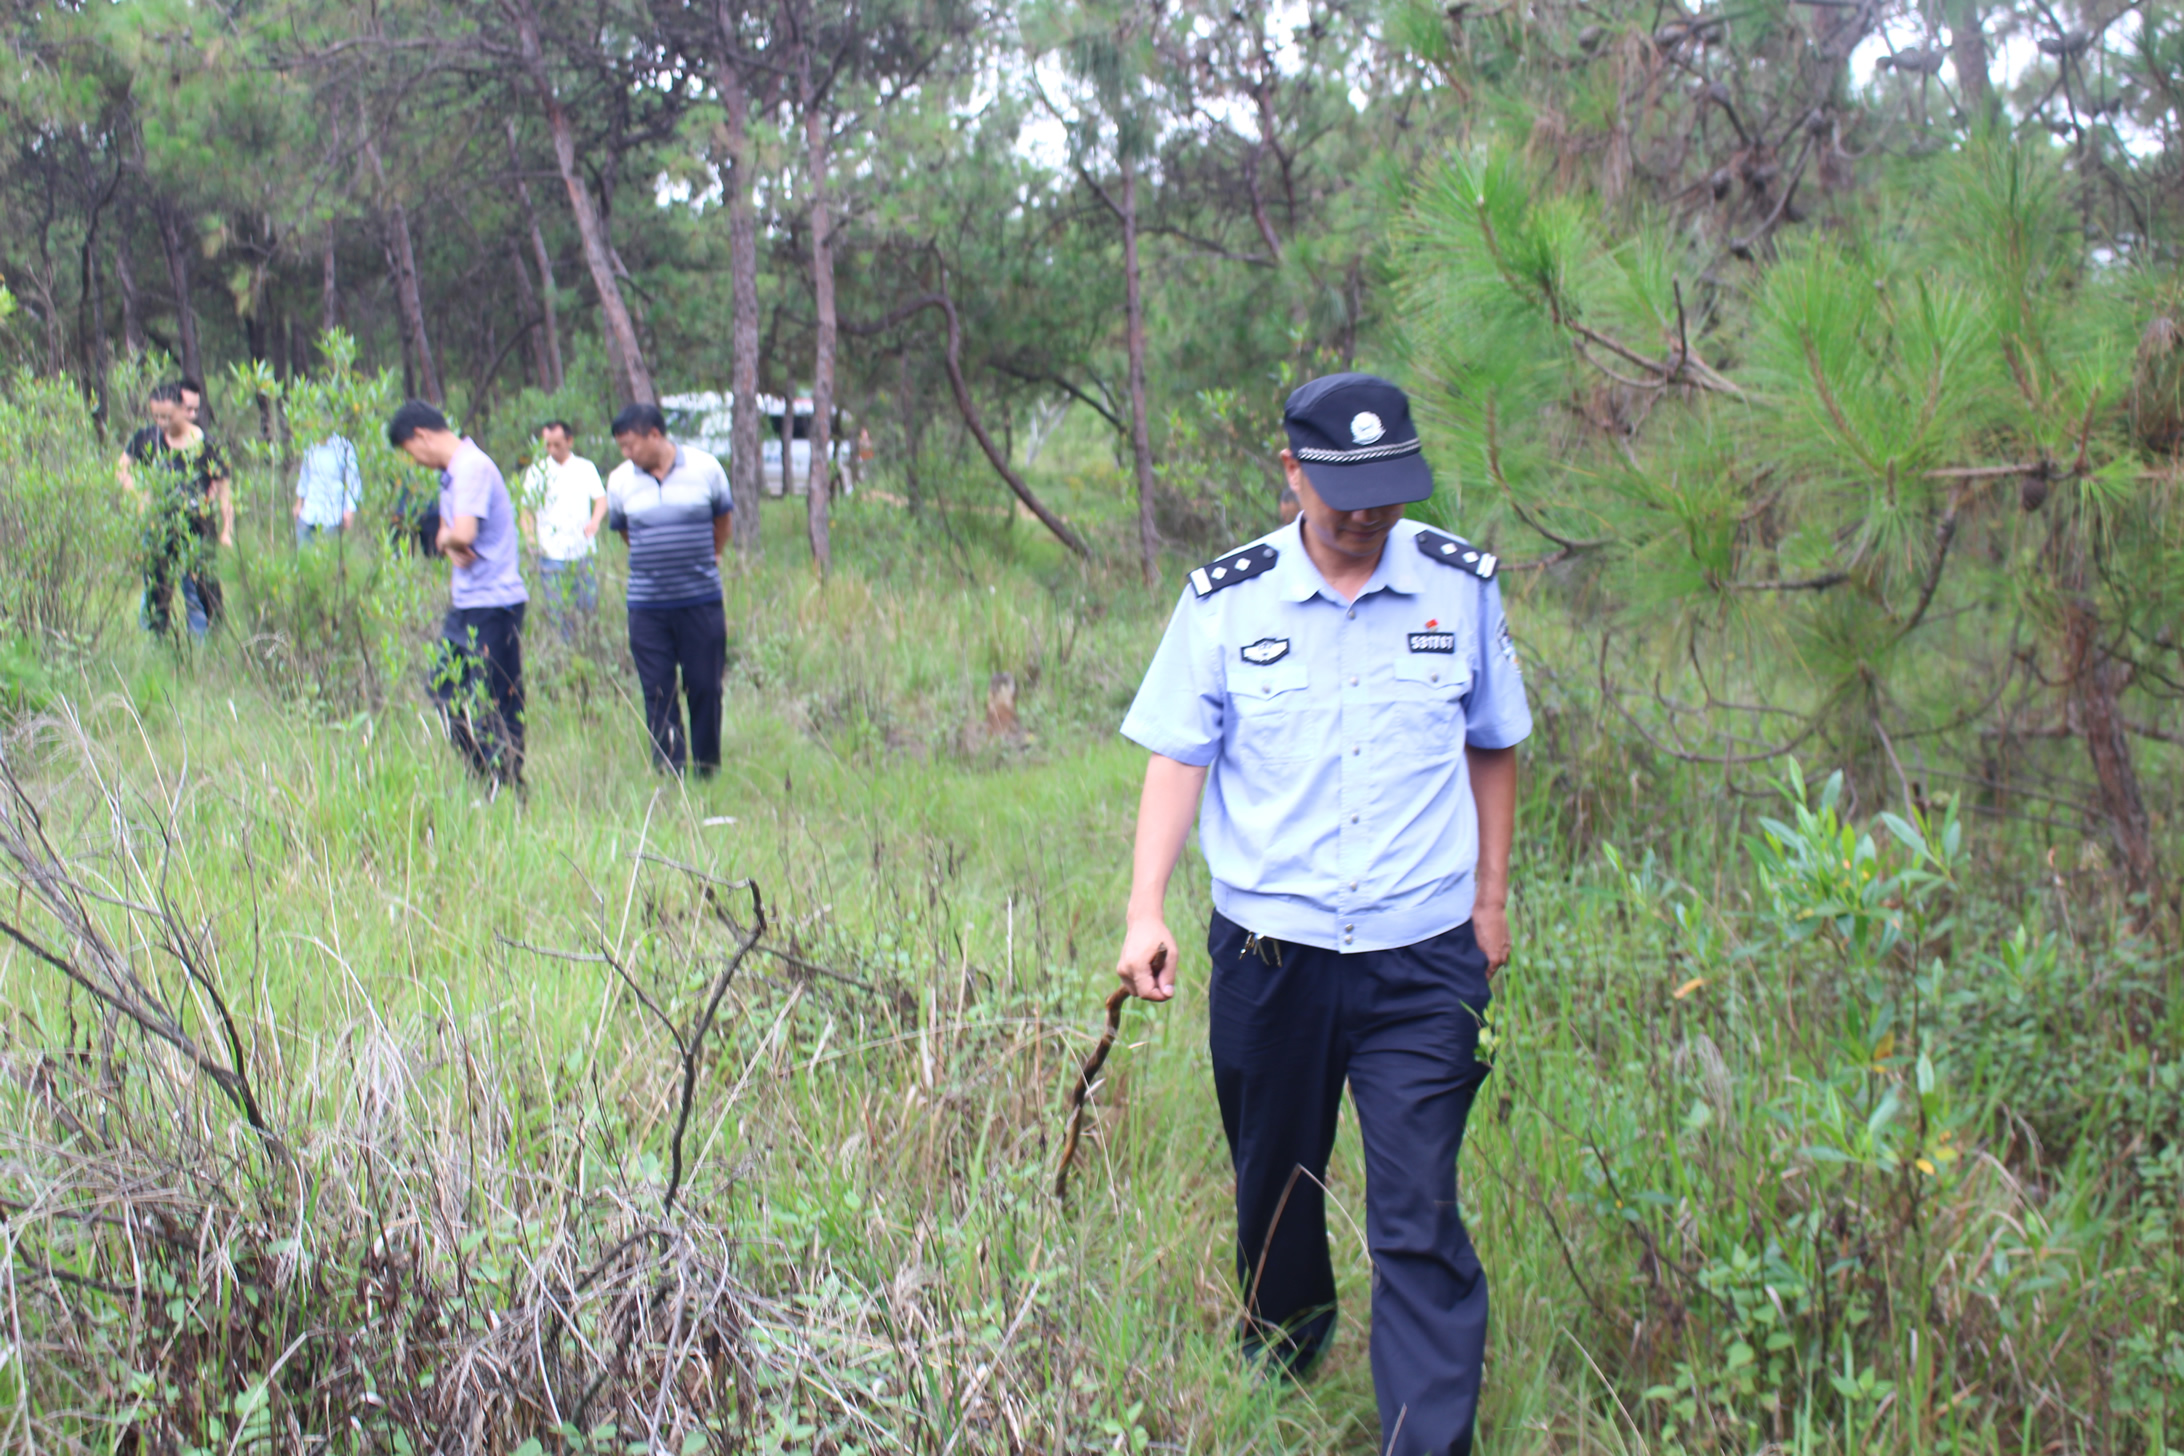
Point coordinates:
pixel 1338 809
pixel 329 482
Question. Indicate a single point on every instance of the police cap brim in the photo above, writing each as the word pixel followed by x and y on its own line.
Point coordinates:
pixel 1370 483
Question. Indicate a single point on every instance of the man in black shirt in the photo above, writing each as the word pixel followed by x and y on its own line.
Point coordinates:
pixel 188 512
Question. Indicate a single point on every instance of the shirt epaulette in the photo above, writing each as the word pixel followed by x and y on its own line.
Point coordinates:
pixel 1252 561
pixel 1457 552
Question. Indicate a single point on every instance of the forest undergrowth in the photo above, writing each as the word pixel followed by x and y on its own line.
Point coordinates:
pixel 348 1111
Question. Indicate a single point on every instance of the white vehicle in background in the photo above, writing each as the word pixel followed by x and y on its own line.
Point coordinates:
pixel 705 419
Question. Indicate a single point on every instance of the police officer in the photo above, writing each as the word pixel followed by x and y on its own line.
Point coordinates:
pixel 1340 704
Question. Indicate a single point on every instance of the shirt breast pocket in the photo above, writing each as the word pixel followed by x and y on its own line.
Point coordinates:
pixel 1426 708
pixel 1274 718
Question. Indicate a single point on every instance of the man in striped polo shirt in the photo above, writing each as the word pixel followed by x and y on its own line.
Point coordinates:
pixel 671 504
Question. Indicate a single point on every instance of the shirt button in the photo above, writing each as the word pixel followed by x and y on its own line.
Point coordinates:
pixel 1355 750
pixel 1353 818
pixel 1346 940
pixel 1433 677
pixel 1353 614
pixel 1353 682
pixel 1353 884
pixel 1349 927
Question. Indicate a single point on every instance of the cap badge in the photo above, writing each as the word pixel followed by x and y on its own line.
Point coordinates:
pixel 1366 428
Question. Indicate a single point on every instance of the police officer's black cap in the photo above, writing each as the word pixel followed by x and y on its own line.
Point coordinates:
pixel 1353 435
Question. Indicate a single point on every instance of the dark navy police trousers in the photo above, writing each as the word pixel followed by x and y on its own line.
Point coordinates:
pixel 1289 1024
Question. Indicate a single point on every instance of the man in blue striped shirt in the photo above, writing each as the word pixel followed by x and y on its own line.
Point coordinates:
pixel 671 504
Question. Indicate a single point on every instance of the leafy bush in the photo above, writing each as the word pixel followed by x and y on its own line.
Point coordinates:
pixel 338 626
pixel 1865 1158
pixel 66 532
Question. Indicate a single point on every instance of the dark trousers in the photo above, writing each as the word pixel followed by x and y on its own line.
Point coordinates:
pixel 202 600
pixel 478 678
pixel 1288 1024
pixel 694 639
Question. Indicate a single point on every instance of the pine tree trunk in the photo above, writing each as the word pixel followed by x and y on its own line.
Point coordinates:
pixel 178 278
pixel 591 228
pixel 132 309
pixel 822 284
pixel 2095 683
pixel 1141 440
pixel 910 414
pixel 1968 52
pixel 91 317
pixel 746 469
pixel 552 376
pixel 409 299
pixel 534 357
pixel 412 301
pixel 329 288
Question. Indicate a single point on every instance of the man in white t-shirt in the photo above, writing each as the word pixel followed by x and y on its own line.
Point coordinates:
pixel 564 502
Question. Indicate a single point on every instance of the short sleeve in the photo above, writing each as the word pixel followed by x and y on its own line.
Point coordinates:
pixel 1181 705
pixel 470 493
pixel 617 504
pixel 1495 712
pixel 724 500
pixel 594 487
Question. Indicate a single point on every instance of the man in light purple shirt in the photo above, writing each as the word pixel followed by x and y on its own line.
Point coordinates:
pixel 478 672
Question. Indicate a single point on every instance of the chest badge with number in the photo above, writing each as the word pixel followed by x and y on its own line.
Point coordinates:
pixel 1441 642
pixel 1266 650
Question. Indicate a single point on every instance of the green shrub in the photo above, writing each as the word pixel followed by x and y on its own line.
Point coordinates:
pixel 66 535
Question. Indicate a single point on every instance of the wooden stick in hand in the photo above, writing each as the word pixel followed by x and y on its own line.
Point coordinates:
pixel 1091 1071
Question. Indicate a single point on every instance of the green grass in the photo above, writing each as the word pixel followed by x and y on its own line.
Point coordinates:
pixel 1700 1206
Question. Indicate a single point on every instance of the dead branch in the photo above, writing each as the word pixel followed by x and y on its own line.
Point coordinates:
pixel 1944 534
pixel 694 1048
pixel 105 974
pixel 1609 694
pixel 1810 583
pixel 952 358
pixel 1090 1071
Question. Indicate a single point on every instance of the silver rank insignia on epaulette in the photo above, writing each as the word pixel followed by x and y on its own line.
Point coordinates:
pixel 1457 552
pixel 1250 562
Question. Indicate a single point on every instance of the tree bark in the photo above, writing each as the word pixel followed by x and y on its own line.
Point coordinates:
pixel 329 287
pixel 534 357
pixel 2095 682
pixel 746 469
pixel 910 414
pixel 132 309
pixel 552 376
pixel 178 278
pixel 91 310
pixel 591 229
pixel 1141 440
pixel 1968 55
pixel 822 285
pixel 408 297
pixel 1262 96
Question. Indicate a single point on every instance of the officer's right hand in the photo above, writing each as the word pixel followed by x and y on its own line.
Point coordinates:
pixel 1147 964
